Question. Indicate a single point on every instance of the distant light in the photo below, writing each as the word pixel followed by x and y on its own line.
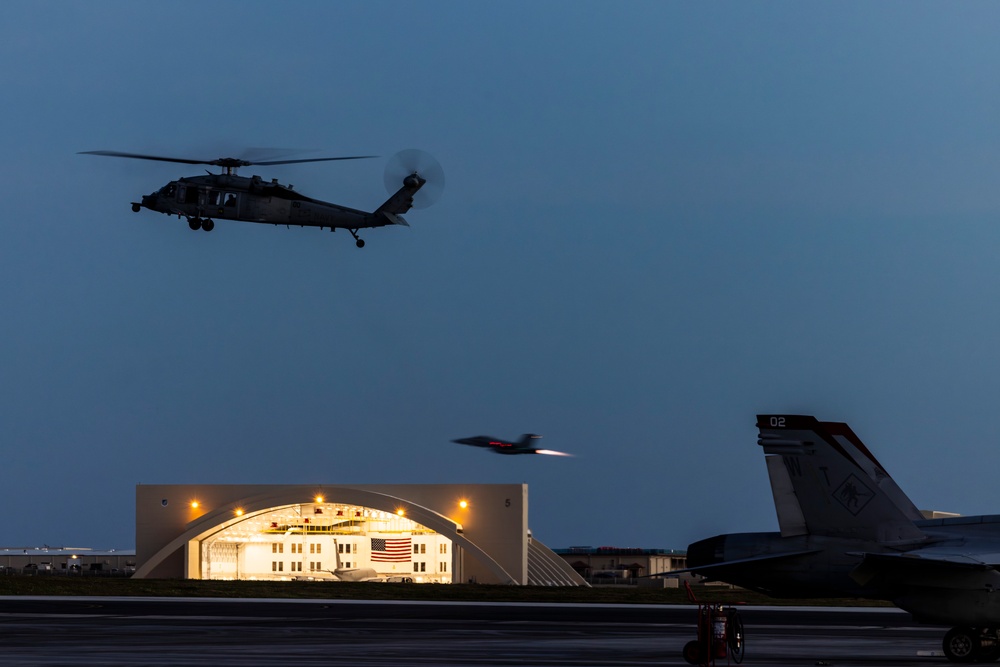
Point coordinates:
pixel 463 503
pixel 319 499
pixel 239 511
pixel 400 511
pixel 194 504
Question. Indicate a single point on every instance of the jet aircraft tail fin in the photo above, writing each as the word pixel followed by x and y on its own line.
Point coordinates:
pixel 526 439
pixel 826 482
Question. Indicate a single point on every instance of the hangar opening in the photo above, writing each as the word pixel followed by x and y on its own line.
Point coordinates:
pixel 424 533
pixel 327 541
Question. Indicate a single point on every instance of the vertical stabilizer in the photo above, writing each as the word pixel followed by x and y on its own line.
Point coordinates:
pixel 786 504
pixel 826 482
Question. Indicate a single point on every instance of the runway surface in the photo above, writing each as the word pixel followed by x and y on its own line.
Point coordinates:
pixel 217 632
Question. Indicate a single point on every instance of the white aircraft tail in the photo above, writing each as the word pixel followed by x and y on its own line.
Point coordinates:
pixel 336 555
pixel 826 482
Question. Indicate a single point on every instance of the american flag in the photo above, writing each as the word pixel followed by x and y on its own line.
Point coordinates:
pixel 391 549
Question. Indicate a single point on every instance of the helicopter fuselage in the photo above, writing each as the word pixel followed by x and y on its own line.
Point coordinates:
pixel 232 197
pixel 227 196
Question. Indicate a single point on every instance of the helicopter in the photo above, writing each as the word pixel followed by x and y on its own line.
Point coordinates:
pixel 228 196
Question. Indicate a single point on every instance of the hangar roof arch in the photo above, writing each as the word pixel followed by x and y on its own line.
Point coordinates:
pixel 224 516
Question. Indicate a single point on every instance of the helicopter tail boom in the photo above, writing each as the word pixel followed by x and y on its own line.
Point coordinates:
pixel 402 200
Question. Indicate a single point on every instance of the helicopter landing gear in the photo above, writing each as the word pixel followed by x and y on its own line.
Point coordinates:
pixel 357 241
pixel 197 223
pixel 136 208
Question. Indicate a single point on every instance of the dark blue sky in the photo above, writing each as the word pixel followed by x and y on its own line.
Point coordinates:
pixel 660 219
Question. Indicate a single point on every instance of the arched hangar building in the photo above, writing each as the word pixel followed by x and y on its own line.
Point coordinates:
pixel 425 533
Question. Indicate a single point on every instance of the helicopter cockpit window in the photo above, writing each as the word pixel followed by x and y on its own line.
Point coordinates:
pixel 168 190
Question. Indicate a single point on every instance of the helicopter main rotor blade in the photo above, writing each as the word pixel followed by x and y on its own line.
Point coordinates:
pixel 137 156
pixel 314 159
pixel 228 162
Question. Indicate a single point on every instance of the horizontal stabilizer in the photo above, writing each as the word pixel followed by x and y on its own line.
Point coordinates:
pixel 395 219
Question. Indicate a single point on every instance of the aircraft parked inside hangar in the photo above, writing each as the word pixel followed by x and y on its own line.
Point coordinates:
pixel 847 530
pixel 226 196
pixel 522 446
pixel 341 573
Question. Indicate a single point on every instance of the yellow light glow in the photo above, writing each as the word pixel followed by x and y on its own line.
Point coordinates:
pixel 400 511
pixel 463 503
pixel 194 504
pixel 319 499
pixel 239 511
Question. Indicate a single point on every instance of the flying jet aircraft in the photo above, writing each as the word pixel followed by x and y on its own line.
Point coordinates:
pixel 847 530
pixel 522 446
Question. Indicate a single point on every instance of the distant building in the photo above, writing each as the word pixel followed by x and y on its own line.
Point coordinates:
pixel 595 563
pixel 66 560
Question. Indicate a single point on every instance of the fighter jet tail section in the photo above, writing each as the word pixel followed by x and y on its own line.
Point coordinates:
pixel 847 530
pixel 826 482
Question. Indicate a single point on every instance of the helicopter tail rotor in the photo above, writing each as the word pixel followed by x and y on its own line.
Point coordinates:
pixel 414 168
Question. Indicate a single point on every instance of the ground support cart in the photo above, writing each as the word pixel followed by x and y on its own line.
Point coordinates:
pixel 720 634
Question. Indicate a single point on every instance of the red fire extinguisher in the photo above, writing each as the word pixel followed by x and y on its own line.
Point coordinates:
pixel 718 634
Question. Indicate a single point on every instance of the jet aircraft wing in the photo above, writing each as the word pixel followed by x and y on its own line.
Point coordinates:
pixel 935 557
pixel 917 569
pixel 718 569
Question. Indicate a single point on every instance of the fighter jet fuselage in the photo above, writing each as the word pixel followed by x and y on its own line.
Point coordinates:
pixel 526 445
pixel 522 446
pixel 847 530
